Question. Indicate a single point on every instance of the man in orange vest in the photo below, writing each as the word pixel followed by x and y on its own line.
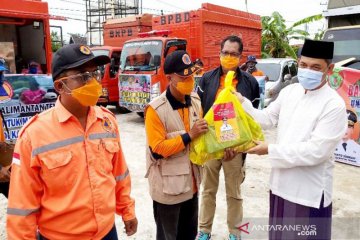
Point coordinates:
pixel 172 121
pixel 251 66
pixel 69 175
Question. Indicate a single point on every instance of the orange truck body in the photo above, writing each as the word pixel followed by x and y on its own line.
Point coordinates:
pixel 200 32
pixel 116 33
pixel 205 28
pixel 25 24
pixel 109 81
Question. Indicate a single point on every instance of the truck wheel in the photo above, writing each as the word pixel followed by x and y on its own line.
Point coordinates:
pixel 121 110
pixel 141 114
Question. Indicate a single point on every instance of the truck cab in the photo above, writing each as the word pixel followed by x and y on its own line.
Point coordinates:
pixel 346 44
pixel 141 76
pixel 343 20
pixel 25 35
pixel 109 72
pixel 25 47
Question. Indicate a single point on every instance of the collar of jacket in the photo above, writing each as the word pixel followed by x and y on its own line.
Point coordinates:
pixel 64 115
pixel 175 104
pixel 237 73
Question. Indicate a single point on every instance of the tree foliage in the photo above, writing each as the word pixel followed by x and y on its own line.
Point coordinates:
pixel 55 41
pixel 276 35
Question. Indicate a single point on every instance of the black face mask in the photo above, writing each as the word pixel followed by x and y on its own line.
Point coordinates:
pixel 1 78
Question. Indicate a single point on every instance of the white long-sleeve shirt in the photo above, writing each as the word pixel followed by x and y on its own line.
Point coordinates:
pixel 310 125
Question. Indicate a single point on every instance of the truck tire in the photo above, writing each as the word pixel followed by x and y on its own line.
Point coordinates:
pixel 103 105
pixel 141 114
pixel 121 110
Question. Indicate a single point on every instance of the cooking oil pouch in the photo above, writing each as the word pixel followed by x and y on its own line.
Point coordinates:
pixel 229 126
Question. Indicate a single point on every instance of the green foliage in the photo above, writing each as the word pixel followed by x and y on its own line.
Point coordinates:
pixel 276 35
pixel 55 41
pixel 319 35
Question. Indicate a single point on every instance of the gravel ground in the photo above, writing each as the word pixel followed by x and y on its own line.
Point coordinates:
pixel 346 206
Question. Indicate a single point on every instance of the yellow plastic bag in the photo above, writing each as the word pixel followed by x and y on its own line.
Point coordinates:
pixel 229 126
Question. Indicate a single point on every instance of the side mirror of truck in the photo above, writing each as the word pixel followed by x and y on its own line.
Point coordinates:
pixel 157 60
pixel 112 65
pixel 287 77
pixel 113 69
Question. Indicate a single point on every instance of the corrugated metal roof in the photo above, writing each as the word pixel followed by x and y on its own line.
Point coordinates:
pixel 342 3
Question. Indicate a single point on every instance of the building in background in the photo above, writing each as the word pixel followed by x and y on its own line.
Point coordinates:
pixel 98 11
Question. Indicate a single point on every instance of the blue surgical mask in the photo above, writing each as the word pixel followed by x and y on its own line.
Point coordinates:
pixel 309 79
pixel 33 70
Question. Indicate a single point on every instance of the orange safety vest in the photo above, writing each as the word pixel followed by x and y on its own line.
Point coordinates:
pixel 68 182
pixel 258 73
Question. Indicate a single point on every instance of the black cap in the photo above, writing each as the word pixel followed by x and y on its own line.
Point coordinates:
pixel 73 56
pixel 179 62
pixel 318 49
pixel 251 58
pixel 352 118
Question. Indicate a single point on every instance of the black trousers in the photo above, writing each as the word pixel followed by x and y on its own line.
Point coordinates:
pixel 112 235
pixel 178 221
pixel 4 188
pixel 311 223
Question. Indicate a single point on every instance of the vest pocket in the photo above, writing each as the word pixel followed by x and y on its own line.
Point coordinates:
pixel 175 177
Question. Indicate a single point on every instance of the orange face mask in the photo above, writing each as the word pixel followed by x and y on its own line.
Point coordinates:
pixel 229 62
pixel 88 94
pixel 185 87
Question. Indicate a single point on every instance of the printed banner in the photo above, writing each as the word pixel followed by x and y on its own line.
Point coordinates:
pixel 134 91
pixel 347 83
pixel 23 96
pixel 226 127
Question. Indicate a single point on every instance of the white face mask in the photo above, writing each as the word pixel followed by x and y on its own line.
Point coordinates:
pixel 309 79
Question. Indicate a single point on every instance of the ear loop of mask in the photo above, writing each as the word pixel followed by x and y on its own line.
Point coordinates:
pixel 326 78
pixel 326 75
pixel 198 88
pixel 68 93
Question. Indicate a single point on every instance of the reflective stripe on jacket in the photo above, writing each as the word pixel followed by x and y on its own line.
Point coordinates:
pixel 67 181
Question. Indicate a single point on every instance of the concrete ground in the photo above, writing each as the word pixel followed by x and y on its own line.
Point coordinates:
pixel 346 205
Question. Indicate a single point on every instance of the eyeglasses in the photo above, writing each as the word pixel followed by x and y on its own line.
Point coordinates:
pixel 232 54
pixel 83 78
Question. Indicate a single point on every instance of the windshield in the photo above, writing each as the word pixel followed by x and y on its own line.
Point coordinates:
pixel 346 43
pixel 100 52
pixel 22 82
pixel 272 70
pixel 139 56
pixel 44 81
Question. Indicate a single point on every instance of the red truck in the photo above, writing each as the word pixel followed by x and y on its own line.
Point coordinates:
pixel 25 37
pixel 109 80
pixel 116 32
pixel 200 32
pixel 25 34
